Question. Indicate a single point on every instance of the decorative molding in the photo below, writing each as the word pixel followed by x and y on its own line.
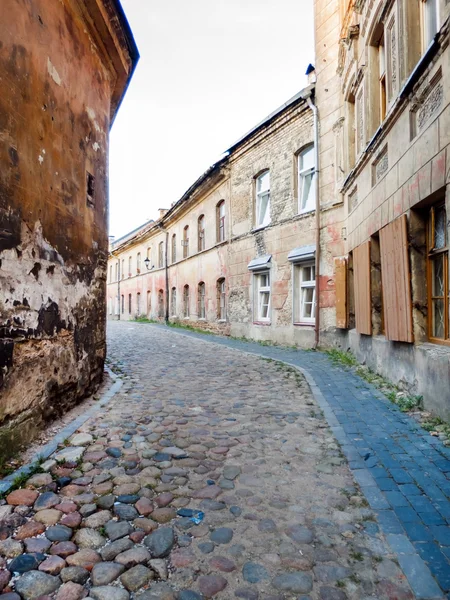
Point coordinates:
pixel 380 165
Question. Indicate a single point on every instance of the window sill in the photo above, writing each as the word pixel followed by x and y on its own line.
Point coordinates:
pixel 260 228
pixel 306 212
pixel 221 320
pixel 311 324
pixel 264 323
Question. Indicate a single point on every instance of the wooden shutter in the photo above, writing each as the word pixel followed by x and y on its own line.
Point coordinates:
pixel 363 304
pixel 395 273
pixel 340 267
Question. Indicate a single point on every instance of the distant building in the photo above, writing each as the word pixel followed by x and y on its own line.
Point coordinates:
pixel 235 254
pixel 64 69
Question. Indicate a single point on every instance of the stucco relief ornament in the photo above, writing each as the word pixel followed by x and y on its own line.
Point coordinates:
pixel 430 105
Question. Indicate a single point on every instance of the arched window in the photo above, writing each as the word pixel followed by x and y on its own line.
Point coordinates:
pixel 123 268
pixel 138 263
pixel 174 248
pixel 161 304
pixel 123 304
pixel 220 220
pixel 149 303
pixel 221 300
pixel 161 255
pixel 173 302
pixel 306 187
pixel 186 241
pixel 201 233
pixel 129 304
pixel 130 266
pixel 186 301
pixel 262 212
pixel 201 301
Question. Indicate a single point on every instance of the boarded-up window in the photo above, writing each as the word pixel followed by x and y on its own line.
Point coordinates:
pixel 397 300
pixel 361 269
pixel 340 267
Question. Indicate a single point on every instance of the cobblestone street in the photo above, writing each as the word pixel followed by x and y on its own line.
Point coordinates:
pixel 211 473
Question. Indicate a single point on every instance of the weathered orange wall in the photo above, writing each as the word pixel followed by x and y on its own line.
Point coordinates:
pixel 54 122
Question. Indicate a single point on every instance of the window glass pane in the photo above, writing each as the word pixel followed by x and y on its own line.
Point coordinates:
pixel 265 296
pixel 438 282
pixel 440 225
pixel 307 192
pixel 264 209
pixel 431 19
pixel 438 319
pixel 307 159
pixel 263 182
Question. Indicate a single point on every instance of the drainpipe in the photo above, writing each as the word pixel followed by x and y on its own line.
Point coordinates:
pixel 167 277
pixel 166 266
pixel 118 289
pixel 315 111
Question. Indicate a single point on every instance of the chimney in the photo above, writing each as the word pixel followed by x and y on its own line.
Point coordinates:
pixel 311 74
pixel 111 240
pixel 162 212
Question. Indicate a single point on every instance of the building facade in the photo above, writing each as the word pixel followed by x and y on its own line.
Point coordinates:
pixel 64 68
pixel 236 254
pixel 362 263
pixel 391 147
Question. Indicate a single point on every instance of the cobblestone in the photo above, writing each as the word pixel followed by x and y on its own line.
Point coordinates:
pixel 190 417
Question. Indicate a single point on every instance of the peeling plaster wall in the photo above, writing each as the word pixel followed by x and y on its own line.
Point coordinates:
pixel 54 124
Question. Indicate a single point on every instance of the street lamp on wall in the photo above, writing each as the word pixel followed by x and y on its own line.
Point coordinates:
pixel 147 263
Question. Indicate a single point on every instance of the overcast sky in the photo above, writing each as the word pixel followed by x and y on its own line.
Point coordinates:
pixel 209 71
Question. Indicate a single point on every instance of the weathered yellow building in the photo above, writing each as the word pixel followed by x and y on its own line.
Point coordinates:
pixel 335 209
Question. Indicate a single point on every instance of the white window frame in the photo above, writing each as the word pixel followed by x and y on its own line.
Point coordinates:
pixel 430 16
pixel 259 292
pixel 221 224
pixel 302 174
pixel 201 300
pixel 260 195
pixel 222 300
pixel 173 302
pixel 301 286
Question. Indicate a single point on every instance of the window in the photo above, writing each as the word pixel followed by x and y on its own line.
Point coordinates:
pixel 110 306
pixel 129 304
pixel 221 307
pixel 173 302
pixel 149 303
pixel 263 199
pixel 201 233
pixel 161 304
pixel 430 21
pixel 438 288
pixel 138 263
pixel 262 296
pixel 221 221
pixel 306 187
pixel 130 266
pixel 174 248
pixel 304 312
pixel 90 189
pixel 161 255
pixel 123 268
pixel 123 304
pixel 138 303
pixel 382 78
pixel 201 301
pixel 185 242
pixel 186 302
pixel 116 271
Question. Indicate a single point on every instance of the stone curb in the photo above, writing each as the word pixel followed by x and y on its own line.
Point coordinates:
pixel 417 573
pixel 49 448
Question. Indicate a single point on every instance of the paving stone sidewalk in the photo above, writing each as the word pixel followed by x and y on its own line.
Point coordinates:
pixel 403 471
pixel 211 474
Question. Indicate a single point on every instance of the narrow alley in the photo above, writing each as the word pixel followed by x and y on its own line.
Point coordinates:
pixel 186 486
